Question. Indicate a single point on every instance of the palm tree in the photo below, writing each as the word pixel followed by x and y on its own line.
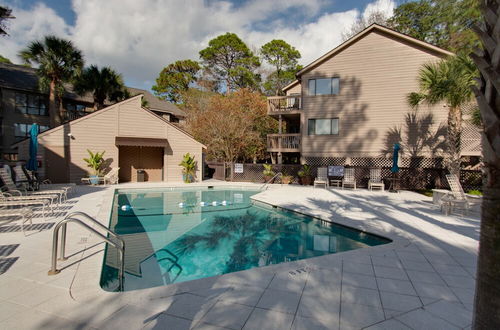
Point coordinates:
pixel 487 300
pixel 104 84
pixel 447 81
pixel 58 62
pixel 5 13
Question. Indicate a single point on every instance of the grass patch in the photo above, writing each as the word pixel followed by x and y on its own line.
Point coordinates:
pixel 426 192
pixel 475 192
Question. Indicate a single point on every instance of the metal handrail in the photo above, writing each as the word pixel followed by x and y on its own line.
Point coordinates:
pixel 270 180
pixel 119 244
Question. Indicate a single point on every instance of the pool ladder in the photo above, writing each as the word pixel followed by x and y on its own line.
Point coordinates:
pixel 173 260
pixel 79 218
pixel 270 180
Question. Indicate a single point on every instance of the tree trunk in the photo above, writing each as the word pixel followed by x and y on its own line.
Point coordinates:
pixel 487 299
pixel 55 118
pixel 454 132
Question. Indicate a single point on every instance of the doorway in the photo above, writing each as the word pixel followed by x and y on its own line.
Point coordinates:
pixel 133 158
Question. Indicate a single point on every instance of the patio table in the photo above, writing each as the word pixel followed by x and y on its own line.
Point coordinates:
pixel 394 186
pixel 335 182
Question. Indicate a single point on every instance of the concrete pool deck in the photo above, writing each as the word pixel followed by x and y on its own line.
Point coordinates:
pixel 424 279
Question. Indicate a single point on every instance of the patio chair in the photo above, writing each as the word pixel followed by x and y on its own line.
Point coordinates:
pixel 456 198
pixel 322 178
pixel 47 184
pixel 111 177
pixel 5 196
pixel 44 203
pixel 26 215
pixel 349 178
pixel 376 179
pixel 22 179
pixel 11 187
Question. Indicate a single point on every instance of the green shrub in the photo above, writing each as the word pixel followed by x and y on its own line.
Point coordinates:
pixel 305 171
pixel 475 192
pixel 95 161
pixel 188 165
pixel 268 170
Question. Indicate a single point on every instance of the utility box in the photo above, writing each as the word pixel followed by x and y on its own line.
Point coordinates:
pixel 141 175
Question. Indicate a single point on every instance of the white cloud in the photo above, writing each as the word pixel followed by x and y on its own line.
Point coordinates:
pixel 31 25
pixel 384 6
pixel 138 38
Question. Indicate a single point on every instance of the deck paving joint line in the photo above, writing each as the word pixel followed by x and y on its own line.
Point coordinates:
pixel 341 286
pixel 441 277
pixel 378 289
pixel 409 278
pixel 300 299
pixel 382 321
pixel 254 307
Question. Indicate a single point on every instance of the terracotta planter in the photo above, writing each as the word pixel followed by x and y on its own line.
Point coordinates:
pixel 286 180
pixel 267 178
pixel 306 180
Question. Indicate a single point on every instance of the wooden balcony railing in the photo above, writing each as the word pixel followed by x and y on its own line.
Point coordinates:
pixel 72 115
pixel 283 142
pixel 283 104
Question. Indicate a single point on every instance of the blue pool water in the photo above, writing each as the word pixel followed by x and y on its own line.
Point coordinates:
pixel 176 235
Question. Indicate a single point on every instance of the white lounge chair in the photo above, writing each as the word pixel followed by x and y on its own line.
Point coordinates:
pixel 349 178
pixel 26 215
pixel 456 198
pixel 109 178
pixel 322 178
pixel 376 179
pixel 112 176
pixel 11 187
pixel 44 203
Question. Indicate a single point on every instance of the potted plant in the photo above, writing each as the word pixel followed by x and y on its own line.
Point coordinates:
pixel 188 165
pixel 268 172
pixel 305 176
pixel 286 178
pixel 94 161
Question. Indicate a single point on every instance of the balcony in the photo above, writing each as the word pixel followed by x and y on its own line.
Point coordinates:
pixel 283 142
pixel 280 105
pixel 72 115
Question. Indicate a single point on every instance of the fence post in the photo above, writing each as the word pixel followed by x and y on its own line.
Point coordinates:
pixel 232 171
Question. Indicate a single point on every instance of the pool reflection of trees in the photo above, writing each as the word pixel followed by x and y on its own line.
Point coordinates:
pixel 254 239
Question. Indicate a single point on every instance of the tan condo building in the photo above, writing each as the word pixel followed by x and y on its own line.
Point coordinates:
pixel 349 106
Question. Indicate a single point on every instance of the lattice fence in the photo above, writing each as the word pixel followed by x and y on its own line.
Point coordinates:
pixel 471 180
pixel 414 173
pixel 253 172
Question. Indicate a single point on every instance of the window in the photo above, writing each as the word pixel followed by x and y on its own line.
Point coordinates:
pixel 10 157
pixel 323 126
pixel 324 86
pixel 23 130
pixel 31 104
pixel 75 107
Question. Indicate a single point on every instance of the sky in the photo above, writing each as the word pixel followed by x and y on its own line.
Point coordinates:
pixel 138 38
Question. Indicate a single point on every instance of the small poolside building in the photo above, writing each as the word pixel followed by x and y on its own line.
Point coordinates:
pixel 133 138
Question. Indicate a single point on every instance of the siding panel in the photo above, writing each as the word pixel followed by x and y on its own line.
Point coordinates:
pixel 376 74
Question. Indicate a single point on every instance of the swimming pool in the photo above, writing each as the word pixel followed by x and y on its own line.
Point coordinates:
pixel 181 234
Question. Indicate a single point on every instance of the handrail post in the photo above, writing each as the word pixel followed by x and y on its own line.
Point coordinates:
pixel 63 243
pixel 120 245
pixel 122 265
pixel 55 236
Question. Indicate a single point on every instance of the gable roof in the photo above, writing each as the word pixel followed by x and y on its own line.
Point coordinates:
pixel 24 78
pixel 372 28
pixel 99 112
pixel 156 104
pixel 290 85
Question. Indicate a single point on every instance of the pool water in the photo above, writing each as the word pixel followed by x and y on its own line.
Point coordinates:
pixel 175 235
